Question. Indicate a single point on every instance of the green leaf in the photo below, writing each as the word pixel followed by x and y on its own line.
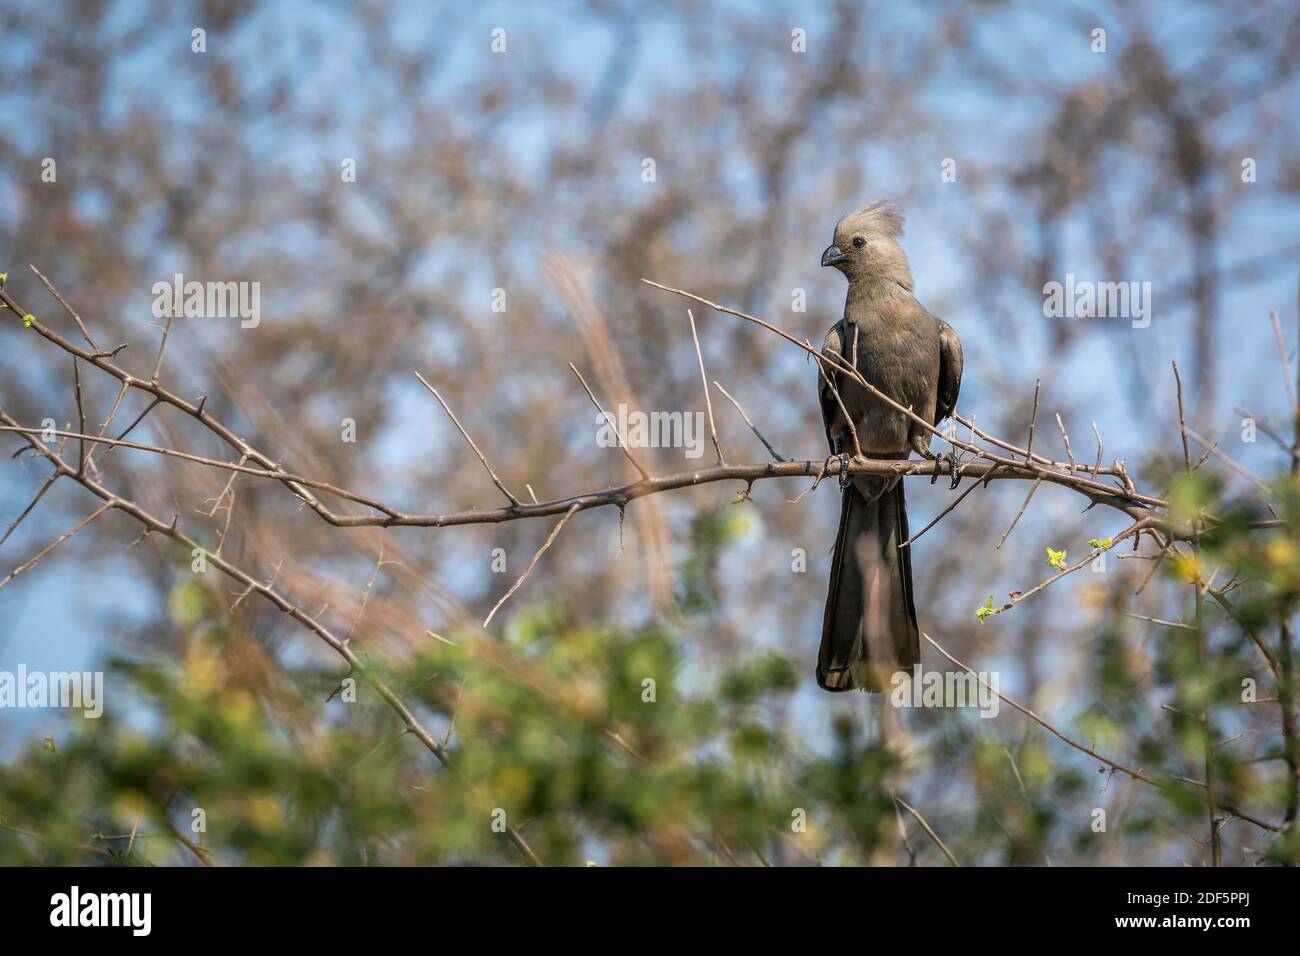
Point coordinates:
pixel 988 610
pixel 1101 544
pixel 1056 559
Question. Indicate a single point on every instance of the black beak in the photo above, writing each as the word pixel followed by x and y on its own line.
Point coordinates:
pixel 832 256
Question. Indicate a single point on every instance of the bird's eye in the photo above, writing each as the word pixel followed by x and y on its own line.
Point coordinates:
pixel 858 242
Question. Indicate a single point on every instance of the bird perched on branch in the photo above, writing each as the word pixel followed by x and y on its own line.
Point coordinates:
pixel 869 630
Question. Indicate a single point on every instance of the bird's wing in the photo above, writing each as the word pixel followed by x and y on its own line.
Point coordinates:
pixel 834 347
pixel 950 363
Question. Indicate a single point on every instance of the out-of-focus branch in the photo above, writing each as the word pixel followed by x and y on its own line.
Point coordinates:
pixel 169 529
pixel 1115 765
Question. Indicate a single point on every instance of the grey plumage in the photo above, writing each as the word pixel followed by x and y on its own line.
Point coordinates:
pixel 869 629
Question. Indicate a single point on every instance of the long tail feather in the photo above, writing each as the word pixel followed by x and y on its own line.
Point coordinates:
pixel 869 627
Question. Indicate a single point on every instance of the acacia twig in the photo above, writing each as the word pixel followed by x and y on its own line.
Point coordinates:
pixel 1033 420
pixel 766 444
pixel 708 402
pixel 609 419
pixel 33 561
pixel 1023 505
pixel 452 415
pixel 926 827
pixel 531 564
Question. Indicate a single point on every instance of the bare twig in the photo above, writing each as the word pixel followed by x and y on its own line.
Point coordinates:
pixel 1065 437
pixel 85 333
pixel 365 598
pixel 81 413
pixel 1262 425
pixel 1023 505
pixel 1033 420
pixel 103 426
pixel 1156 620
pixel 708 402
pixel 162 347
pixel 610 420
pixel 1182 420
pixel 953 505
pixel 33 561
pixel 13 525
pixel 1286 364
pixel 766 444
pixel 1213 448
pixel 926 827
pixel 452 415
pixel 531 564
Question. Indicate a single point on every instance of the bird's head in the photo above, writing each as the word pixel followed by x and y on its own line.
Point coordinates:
pixel 866 245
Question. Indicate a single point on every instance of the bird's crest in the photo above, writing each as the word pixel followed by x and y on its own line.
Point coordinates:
pixel 878 216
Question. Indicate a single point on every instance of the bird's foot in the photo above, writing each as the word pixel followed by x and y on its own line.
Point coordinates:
pixel 931 456
pixel 953 468
pixel 826 470
pixel 845 478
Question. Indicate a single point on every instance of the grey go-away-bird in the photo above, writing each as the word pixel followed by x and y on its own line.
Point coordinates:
pixel 869 630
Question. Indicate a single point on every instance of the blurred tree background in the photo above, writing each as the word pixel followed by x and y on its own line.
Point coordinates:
pixel 523 170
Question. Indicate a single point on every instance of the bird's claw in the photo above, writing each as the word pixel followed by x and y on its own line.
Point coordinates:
pixel 939 461
pixel 953 472
pixel 845 478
